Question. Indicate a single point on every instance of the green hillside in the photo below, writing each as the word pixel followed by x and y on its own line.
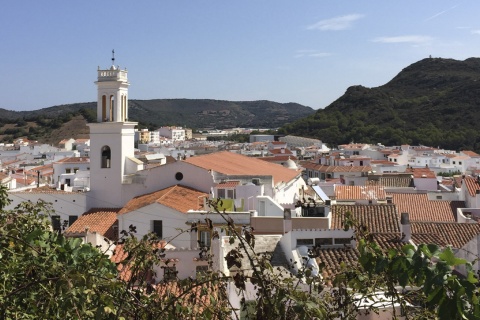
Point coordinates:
pixel 50 125
pixel 433 102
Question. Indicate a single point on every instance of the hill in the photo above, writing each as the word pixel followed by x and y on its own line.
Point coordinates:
pixel 50 124
pixel 433 102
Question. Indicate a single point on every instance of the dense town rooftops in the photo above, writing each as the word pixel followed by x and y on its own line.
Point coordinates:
pixel 177 197
pixel 230 163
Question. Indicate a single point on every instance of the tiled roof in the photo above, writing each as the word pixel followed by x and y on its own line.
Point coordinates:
pixel 386 162
pixel 377 218
pixel 74 160
pixel 472 184
pixel 421 173
pixel 280 151
pixel 100 220
pixel 41 190
pixel 420 208
pixel 228 184
pixel 426 238
pixel 325 168
pixel 359 193
pixel 330 259
pixel 470 153
pixel 399 182
pixel 278 158
pixel 230 163
pixel 177 197
pixel 455 234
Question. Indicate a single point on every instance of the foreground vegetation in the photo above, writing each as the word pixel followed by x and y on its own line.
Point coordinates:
pixel 45 275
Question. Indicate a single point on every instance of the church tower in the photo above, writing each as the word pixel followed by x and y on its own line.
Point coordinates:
pixel 111 140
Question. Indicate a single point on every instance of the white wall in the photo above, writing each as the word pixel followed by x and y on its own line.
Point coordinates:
pixel 64 203
pixel 172 221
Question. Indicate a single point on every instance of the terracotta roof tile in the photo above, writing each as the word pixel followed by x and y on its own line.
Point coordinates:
pixel 377 218
pixel 177 197
pixel 230 163
pixel 420 208
pixel 325 168
pixel 74 160
pixel 359 192
pixel 100 220
pixel 278 158
pixel 400 181
pixel 470 153
pixel 455 234
pixel 421 172
pixel 228 184
pixel 472 184
pixel 280 151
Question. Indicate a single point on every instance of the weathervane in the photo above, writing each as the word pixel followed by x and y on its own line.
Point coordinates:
pixel 113 57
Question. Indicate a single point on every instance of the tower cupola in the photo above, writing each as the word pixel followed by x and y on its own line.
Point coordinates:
pixel 112 102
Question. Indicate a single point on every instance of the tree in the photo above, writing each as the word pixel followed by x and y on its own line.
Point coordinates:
pixel 45 275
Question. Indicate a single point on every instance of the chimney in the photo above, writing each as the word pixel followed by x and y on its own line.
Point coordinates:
pixel 405 227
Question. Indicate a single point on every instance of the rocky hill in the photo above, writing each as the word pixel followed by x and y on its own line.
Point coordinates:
pixel 434 102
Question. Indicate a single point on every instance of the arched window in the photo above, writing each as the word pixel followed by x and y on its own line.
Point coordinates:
pixel 106 157
pixel 112 106
pixel 104 108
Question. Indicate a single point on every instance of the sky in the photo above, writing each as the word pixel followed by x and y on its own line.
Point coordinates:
pixel 303 51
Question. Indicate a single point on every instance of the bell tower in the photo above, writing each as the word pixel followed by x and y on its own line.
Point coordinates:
pixel 111 140
pixel 112 100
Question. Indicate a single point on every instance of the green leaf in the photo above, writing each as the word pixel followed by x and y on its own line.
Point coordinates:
pixel 449 257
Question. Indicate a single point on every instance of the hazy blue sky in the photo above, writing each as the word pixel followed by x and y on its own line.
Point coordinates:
pixel 304 51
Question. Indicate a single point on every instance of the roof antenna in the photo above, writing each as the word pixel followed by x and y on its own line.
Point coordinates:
pixel 113 57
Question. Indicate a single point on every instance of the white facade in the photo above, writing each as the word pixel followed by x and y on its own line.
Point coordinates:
pixel 173 133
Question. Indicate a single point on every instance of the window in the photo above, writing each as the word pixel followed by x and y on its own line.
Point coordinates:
pixel 157 228
pixel 204 238
pixel 169 273
pixel 56 224
pixel 304 242
pixel 72 219
pixel 323 241
pixel 201 270
pixel 179 176
pixel 460 162
pixel 68 170
pixel 75 170
pixel 231 194
pixel 342 240
pixel 221 193
pixel 453 162
pixel 106 157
